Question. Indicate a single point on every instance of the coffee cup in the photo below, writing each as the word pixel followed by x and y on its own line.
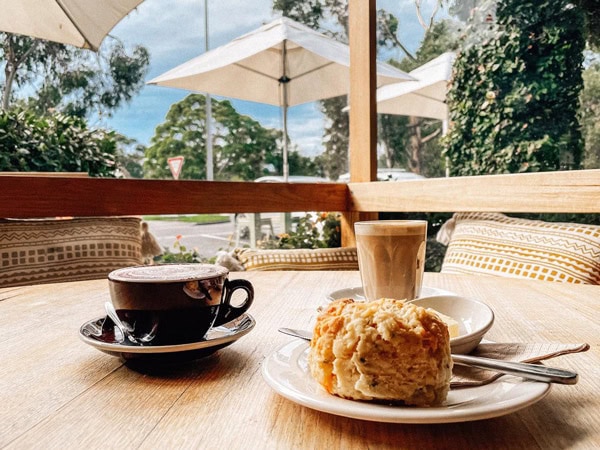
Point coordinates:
pixel 391 257
pixel 176 303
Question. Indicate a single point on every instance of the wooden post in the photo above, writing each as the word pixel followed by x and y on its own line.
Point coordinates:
pixel 363 105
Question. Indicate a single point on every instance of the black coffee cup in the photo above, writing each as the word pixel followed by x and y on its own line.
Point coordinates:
pixel 176 303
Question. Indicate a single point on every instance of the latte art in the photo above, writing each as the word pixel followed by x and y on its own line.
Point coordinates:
pixel 168 273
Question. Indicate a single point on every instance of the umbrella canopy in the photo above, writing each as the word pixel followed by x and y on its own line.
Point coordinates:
pixel 252 67
pixel 83 23
pixel 283 63
pixel 423 98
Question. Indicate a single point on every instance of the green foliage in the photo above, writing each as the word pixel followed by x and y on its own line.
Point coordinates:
pixel 590 116
pixel 514 98
pixel 181 255
pixel 196 218
pixel 241 146
pixel 591 11
pixel 319 231
pixel 57 77
pixel 57 143
pixel 334 158
pixel 413 143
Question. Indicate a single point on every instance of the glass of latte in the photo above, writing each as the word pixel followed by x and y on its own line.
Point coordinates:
pixel 391 257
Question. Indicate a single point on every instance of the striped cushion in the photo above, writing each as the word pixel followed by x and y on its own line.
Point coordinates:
pixel 495 244
pixel 53 250
pixel 344 258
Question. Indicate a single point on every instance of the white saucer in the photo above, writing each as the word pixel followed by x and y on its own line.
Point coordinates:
pixel 357 293
pixel 92 333
pixel 286 371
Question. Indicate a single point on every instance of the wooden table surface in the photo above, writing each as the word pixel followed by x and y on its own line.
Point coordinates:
pixel 58 392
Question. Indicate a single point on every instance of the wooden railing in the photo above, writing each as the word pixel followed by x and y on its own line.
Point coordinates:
pixel 31 197
pixel 575 191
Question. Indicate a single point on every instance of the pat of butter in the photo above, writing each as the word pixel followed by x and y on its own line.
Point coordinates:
pixel 452 324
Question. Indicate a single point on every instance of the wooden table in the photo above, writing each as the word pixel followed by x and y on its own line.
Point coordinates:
pixel 58 392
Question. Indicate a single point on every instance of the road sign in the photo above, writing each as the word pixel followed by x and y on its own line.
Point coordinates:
pixel 175 164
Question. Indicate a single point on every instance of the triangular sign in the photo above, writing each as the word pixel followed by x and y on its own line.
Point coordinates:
pixel 175 164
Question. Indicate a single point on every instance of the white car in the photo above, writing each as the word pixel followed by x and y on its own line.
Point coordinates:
pixel 292 179
pixel 388 175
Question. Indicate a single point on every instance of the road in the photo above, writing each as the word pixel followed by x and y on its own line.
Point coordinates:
pixel 208 239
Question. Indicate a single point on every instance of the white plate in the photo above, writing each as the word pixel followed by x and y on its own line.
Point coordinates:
pixel 357 293
pixel 286 371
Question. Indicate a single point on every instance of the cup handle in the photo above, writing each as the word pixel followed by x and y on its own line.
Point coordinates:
pixel 227 312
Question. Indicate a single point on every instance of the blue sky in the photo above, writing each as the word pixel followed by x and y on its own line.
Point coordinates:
pixel 173 32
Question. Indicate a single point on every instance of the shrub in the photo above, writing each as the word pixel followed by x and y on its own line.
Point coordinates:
pixel 56 143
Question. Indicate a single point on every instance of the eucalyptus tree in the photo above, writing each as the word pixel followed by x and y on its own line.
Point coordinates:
pixel 47 77
pixel 242 147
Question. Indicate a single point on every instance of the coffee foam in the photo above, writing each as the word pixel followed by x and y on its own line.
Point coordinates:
pixel 391 227
pixel 167 273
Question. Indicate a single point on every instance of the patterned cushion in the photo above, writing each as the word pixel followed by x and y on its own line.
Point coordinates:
pixel 495 244
pixel 53 250
pixel 344 258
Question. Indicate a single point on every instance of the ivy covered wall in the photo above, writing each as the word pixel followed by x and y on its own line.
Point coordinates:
pixel 514 96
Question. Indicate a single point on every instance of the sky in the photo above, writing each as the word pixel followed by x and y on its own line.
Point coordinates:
pixel 173 32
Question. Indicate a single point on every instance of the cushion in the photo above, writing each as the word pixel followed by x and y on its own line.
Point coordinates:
pixel 53 250
pixel 495 244
pixel 344 258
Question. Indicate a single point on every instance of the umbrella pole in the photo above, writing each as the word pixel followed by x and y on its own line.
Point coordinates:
pixel 286 169
pixel 208 124
pixel 446 160
pixel 284 80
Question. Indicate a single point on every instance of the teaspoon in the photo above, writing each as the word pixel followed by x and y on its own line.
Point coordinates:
pixel 125 328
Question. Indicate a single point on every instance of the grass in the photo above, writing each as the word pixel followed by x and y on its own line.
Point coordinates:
pixel 195 218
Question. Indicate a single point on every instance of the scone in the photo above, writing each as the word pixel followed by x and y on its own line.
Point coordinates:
pixel 386 350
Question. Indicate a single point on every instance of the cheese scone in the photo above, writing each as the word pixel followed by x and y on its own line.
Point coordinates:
pixel 386 350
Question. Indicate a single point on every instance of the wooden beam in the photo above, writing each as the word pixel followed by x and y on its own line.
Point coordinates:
pixel 363 86
pixel 363 104
pixel 29 197
pixel 567 192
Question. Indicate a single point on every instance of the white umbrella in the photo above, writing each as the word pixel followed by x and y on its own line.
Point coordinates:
pixel 423 98
pixel 83 23
pixel 283 63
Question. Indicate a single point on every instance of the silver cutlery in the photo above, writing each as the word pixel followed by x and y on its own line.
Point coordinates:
pixel 528 371
pixel 126 329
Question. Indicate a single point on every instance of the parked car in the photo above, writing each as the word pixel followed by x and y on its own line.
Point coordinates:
pixel 388 175
pixel 292 179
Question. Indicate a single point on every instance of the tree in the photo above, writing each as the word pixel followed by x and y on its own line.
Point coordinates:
pixel 57 143
pixel 334 159
pixel 129 158
pixel 590 114
pixel 412 142
pixel 514 97
pixel 242 147
pixel 67 79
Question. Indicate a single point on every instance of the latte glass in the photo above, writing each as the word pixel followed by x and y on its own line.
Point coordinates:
pixel 391 257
